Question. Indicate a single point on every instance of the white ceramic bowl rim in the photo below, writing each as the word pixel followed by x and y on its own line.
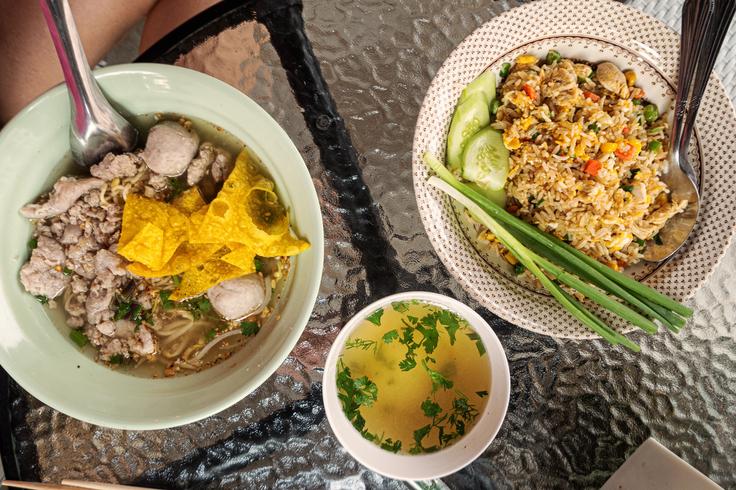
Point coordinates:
pixel 45 362
pixel 445 461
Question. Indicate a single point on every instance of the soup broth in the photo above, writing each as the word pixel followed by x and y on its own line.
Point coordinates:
pixel 413 377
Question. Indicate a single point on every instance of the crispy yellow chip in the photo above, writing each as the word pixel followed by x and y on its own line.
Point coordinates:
pixel 189 201
pixel 188 255
pixel 243 258
pixel 140 211
pixel 284 246
pixel 145 247
pixel 246 210
pixel 199 279
pixel 208 244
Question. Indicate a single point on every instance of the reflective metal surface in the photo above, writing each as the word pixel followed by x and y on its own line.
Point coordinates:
pixel 96 127
pixel 577 409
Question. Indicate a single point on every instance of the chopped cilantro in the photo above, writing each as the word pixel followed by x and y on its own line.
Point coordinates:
pixel 430 408
pixel 375 317
pixel 519 268
pixel 249 328
pixel 67 271
pixel 210 335
pixel 166 303
pixel 176 186
pixel 481 394
pixel 123 309
pixel 258 264
pixel 176 280
pixel 116 359
pixel 594 127
pixel 658 239
pixel 78 337
pixel 391 445
pixel 627 188
pixel 438 379
pixel 640 242
pixel 390 336
pixel 44 300
pixel 400 306
pixel 32 243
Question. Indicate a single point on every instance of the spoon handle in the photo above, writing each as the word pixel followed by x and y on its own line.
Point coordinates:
pixel 696 15
pixel 711 46
pixel 95 126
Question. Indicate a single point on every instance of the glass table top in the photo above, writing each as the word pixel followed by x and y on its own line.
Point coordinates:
pixel 345 79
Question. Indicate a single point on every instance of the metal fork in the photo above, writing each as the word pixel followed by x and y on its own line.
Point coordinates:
pixel 704 27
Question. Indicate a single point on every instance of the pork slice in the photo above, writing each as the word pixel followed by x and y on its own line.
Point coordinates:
pixel 222 166
pixel 42 275
pixel 201 164
pixel 170 148
pixel 115 166
pixel 65 193
pixel 71 234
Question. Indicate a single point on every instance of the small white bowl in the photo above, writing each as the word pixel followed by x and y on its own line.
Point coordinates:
pixel 445 461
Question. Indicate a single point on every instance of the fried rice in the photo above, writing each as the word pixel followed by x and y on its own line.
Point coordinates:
pixel 585 161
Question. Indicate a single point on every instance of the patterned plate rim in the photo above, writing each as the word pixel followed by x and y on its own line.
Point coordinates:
pixel 609 22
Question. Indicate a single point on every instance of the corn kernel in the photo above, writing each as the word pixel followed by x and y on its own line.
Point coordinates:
pixel 511 143
pixel 510 258
pixel 630 77
pixel 609 147
pixel 526 59
pixel 527 122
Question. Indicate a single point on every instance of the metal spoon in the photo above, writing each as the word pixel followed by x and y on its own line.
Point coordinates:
pixel 96 128
pixel 704 27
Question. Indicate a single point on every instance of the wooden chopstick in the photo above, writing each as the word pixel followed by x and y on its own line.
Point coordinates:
pixel 38 486
pixel 70 485
pixel 100 486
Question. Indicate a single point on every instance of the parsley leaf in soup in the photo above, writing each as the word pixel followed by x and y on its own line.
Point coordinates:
pixel 375 317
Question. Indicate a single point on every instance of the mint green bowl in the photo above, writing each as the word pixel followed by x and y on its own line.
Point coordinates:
pixel 34 345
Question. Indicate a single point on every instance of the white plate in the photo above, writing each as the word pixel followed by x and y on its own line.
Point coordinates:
pixel 598 30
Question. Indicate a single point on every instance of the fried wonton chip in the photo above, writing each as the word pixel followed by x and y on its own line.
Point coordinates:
pixel 140 212
pixel 243 258
pixel 189 201
pixel 199 279
pixel 145 247
pixel 246 210
pixel 188 255
pixel 284 246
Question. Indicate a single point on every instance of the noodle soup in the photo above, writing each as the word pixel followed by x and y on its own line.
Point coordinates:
pixel 165 260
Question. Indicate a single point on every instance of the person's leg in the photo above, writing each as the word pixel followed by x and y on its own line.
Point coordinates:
pixel 28 63
pixel 166 15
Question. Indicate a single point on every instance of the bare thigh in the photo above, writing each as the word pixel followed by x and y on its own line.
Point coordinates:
pixel 27 56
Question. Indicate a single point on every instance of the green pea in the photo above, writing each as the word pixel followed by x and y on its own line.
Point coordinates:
pixel 651 113
pixel 495 105
pixel 519 269
pixel 553 57
pixel 79 338
pixel 655 146
pixel 505 69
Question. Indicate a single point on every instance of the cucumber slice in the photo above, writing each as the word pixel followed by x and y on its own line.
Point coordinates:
pixel 486 160
pixel 498 196
pixel 469 118
pixel 484 83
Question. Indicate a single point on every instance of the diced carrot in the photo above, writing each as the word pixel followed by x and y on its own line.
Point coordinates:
pixel 626 130
pixel 529 90
pixel 627 153
pixel 592 96
pixel 637 93
pixel 592 167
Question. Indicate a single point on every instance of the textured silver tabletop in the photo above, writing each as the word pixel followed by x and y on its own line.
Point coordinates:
pixel 577 410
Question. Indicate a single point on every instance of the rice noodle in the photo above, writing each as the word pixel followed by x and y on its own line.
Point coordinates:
pixel 203 352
